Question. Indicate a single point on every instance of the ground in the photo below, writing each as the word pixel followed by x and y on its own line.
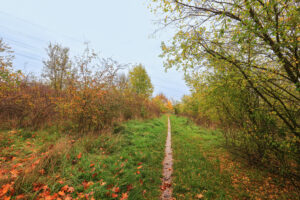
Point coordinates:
pixel 126 163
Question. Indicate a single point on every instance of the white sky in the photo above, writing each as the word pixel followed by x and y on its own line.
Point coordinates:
pixel 121 29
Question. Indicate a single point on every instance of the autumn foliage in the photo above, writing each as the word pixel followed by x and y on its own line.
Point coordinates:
pixel 86 96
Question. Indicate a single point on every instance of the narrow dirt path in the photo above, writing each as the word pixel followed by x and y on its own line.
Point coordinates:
pixel 167 168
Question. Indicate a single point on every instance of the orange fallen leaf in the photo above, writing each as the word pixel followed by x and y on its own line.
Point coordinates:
pixel 71 189
pixel 113 195
pixel 68 198
pixel 79 155
pixel 124 196
pixel 42 171
pixel 5 189
pixel 116 189
pixel 199 196
pixel 14 173
pixel 140 167
pixel 61 193
pixel 20 196
pixel 65 188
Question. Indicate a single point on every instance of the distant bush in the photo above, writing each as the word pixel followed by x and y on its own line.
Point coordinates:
pixel 87 96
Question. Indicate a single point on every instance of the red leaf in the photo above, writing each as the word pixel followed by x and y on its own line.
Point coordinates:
pixel 65 188
pixel 21 196
pixel 129 187
pixel 71 189
pixel 116 189
pixel 124 196
pixel 113 195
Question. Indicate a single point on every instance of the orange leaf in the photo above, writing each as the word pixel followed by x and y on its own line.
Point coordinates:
pixel 92 165
pixel 61 193
pixel 21 196
pixel 140 167
pixel 71 189
pixel 124 196
pixel 138 172
pixel 113 195
pixel 116 189
pixel 5 189
pixel 79 155
pixel 65 188
pixel 42 171
pixel 14 173
pixel 68 198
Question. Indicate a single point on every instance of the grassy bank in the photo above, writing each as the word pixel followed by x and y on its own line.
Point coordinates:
pixel 48 164
pixel 203 169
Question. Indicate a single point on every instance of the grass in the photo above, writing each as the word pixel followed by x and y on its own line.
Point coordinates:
pixel 204 168
pixel 127 164
pixel 121 165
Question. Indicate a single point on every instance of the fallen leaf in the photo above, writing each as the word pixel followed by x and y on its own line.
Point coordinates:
pixel 129 187
pixel 79 155
pixel 113 195
pixel 14 173
pixel 20 196
pixel 71 189
pixel 199 196
pixel 61 193
pixel 116 189
pixel 42 171
pixel 124 196
pixel 65 188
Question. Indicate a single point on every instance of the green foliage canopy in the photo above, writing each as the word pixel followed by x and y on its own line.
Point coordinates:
pixel 140 82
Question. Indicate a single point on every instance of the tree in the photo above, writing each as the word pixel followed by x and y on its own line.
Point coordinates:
pixel 6 58
pixel 241 60
pixel 259 40
pixel 58 66
pixel 140 81
pixel 8 77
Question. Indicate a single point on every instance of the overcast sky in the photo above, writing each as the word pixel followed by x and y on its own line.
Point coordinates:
pixel 121 29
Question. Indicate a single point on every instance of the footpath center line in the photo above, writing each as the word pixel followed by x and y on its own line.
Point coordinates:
pixel 167 168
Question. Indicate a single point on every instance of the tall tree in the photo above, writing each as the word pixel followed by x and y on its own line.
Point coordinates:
pixel 58 65
pixel 140 82
pixel 259 40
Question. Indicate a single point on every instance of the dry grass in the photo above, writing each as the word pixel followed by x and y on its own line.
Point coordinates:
pixel 45 163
